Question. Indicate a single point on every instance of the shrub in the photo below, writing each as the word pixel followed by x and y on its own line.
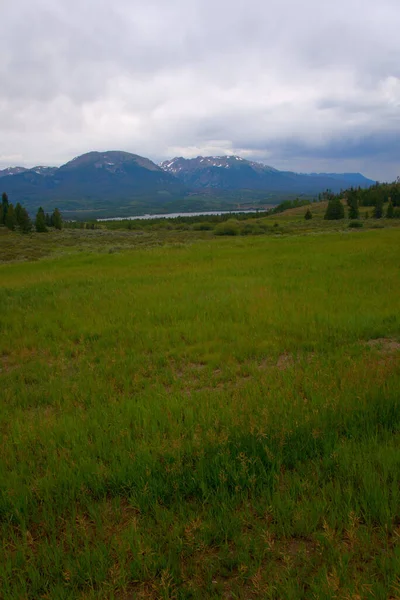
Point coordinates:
pixel 203 226
pixel 228 228
pixel 252 229
pixel 355 224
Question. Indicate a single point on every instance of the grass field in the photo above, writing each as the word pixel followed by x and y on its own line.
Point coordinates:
pixel 213 418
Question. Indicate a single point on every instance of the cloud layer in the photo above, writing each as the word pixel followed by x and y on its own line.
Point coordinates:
pixel 303 86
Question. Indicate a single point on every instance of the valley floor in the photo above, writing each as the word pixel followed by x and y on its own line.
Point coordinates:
pixel 187 416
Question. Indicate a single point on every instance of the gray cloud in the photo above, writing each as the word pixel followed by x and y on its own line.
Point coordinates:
pixel 302 86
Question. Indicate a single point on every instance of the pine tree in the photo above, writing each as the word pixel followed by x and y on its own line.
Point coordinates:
pixel 24 222
pixel 308 215
pixel 56 219
pixel 40 221
pixel 354 212
pixel 378 210
pixel 390 210
pixel 47 220
pixel 11 219
pixel 18 209
pixel 335 210
pixel 4 205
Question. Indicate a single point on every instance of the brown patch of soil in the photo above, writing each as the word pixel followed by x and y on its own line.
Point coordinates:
pixel 285 361
pixel 384 345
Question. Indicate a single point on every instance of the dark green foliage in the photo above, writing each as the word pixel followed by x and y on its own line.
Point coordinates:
pixel 335 210
pixel 203 226
pixel 47 220
pixel 378 210
pixel 4 207
pixel 227 228
pixel 395 193
pixel 390 210
pixel 11 219
pixel 40 221
pixel 354 212
pixel 375 196
pixel 24 221
pixel 352 203
pixel 252 229
pixel 290 204
pixel 18 209
pixel 56 220
pixel 355 224
pixel 308 215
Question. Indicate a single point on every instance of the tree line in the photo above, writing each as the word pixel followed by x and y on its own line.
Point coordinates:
pixel 18 217
pixel 377 196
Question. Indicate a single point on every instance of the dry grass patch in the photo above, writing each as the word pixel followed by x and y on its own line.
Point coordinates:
pixel 384 345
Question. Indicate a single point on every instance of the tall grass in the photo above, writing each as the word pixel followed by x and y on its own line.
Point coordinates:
pixel 209 421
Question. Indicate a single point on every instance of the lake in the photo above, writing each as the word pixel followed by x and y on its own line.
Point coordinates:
pixel 182 214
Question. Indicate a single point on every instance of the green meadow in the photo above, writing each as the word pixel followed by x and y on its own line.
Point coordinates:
pixel 200 417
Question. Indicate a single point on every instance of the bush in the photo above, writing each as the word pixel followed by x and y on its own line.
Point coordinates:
pixel 228 228
pixel 355 224
pixel 252 229
pixel 203 226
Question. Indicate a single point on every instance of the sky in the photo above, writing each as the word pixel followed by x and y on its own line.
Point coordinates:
pixel 311 86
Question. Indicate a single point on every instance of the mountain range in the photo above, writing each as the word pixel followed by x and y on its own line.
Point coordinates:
pixel 118 183
pixel 234 172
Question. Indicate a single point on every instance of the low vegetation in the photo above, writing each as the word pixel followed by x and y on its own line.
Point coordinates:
pixel 185 415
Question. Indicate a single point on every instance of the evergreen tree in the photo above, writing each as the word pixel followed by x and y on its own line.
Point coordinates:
pixel 354 213
pixel 335 210
pixel 47 220
pixel 11 219
pixel 4 205
pixel 40 221
pixel 395 193
pixel 18 209
pixel 378 210
pixel 390 210
pixel 56 219
pixel 308 215
pixel 24 221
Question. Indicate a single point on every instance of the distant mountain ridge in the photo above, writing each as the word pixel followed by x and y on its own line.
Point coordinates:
pixel 234 172
pixel 93 181
pixel 122 183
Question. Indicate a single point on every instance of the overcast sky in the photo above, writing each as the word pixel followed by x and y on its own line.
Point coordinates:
pixel 305 86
